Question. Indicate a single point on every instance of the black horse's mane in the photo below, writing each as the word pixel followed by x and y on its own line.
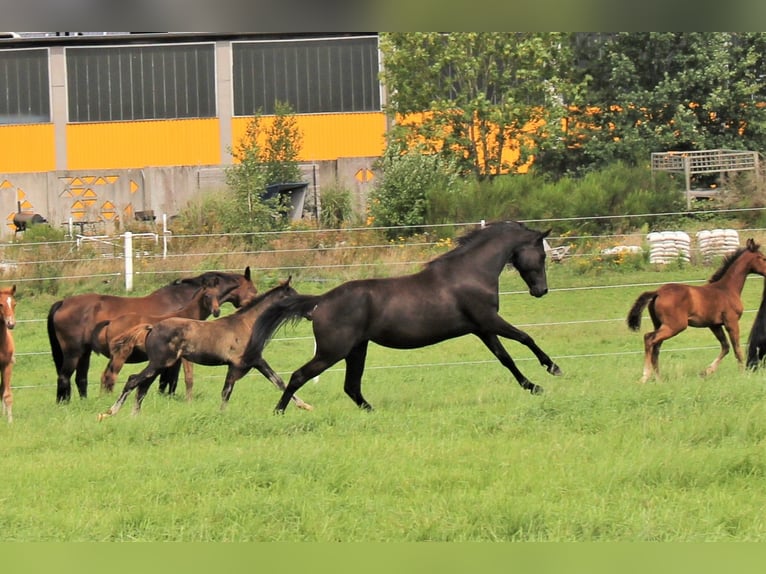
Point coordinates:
pixel 477 236
pixel 728 261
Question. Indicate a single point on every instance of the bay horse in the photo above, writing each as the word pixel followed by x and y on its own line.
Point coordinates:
pixel 71 320
pixel 106 336
pixel 7 346
pixel 456 294
pixel 716 305
pixel 211 343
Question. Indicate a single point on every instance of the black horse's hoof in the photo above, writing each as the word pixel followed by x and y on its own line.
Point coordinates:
pixel 536 389
pixel 553 369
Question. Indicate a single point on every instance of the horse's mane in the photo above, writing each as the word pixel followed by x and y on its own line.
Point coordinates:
pixel 477 236
pixel 728 261
pixel 260 297
pixel 206 279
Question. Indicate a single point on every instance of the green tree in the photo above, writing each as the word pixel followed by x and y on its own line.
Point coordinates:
pixel 661 91
pixel 282 146
pixel 264 155
pixel 478 92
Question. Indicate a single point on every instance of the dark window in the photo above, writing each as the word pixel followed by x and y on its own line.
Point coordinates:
pixel 313 76
pixel 141 82
pixel 24 87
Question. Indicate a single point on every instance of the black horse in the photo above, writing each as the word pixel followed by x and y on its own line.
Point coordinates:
pixel 455 294
pixel 756 341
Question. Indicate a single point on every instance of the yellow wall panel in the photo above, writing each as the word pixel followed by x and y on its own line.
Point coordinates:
pixel 114 145
pixel 330 136
pixel 27 148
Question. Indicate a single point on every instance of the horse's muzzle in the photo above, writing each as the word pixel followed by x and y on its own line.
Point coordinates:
pixel 538 291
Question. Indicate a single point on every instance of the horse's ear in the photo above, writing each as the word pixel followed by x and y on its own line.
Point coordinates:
pixel 13 290
pixel 752 245
pixel 247 273
pixel 286 282
pixel 547 233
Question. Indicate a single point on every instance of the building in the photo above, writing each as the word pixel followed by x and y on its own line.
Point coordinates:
pixel 97 127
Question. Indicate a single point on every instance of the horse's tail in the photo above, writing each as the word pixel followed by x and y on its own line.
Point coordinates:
pixel 98 340
pixel 290 308
pixel 56 351
pixel 125 343
pixel 634 315
pixel 756 341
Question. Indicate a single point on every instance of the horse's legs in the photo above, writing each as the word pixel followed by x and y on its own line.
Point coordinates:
pixel 721 336
pixel 652 342
pixel 732 328
pixel 265 369
pixel 5 375
pixel 314 367
pixel 188 377
pixel 354 370
pixel 499 326
pixel 169 379
pixel 233 374
pixel 494 345
pixel 81 374
pixel 64 379
pixel 113 368
pixel 143 387
pixel 149 373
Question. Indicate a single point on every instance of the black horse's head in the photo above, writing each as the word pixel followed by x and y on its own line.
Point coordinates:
pixel 529 260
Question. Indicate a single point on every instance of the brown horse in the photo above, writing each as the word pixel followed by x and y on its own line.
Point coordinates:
pixel 71 320
pixel 106 336
pixel 716 305
pixel 212 343
pixel 7 347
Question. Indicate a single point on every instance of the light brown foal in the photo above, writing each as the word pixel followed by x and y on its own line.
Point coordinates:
pixel 716 305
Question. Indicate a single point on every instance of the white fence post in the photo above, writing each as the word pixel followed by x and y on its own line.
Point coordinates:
pixel 164 235
pixel 128 261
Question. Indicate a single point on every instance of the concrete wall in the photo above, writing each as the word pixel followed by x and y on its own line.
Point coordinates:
pixel 100 200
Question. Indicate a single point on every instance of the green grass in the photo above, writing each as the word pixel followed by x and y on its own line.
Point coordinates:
pixel 455 450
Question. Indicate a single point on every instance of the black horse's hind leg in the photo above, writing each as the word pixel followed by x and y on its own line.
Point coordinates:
pixel 265 369
pixel 81 375
pixel 354 370
pixel 494 345
pixel 314 367
pixel 169 379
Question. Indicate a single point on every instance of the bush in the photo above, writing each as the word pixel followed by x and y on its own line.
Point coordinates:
pixel 336 208
pixel 402 195
pixel 616 191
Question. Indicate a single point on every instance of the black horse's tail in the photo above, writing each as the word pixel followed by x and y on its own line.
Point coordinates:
pixel 634 315
pixel 56 351
pixel 756 341
pixel 292 308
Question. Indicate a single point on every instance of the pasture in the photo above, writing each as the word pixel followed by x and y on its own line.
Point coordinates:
pixel 454 451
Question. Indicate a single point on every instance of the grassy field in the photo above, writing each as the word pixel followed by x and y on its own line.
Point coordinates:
pixel 455 450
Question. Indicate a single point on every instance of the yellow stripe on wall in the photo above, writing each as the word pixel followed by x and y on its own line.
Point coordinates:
pixel 115 145
pixel 27 148
pixel 330 136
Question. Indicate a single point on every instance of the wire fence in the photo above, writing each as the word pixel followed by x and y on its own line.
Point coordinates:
pixel 347 250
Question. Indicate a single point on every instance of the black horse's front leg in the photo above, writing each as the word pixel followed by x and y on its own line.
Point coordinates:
pixel 494 345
